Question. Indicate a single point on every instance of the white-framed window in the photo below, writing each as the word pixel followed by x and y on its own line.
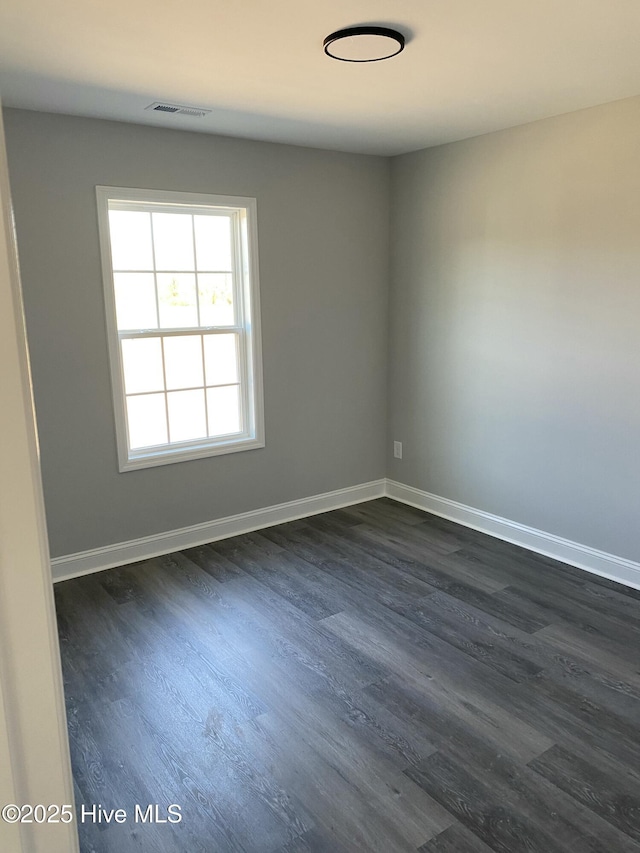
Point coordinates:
pixel 182 306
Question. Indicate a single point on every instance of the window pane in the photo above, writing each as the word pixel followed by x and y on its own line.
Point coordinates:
pixel 213 242
pixel 216 299
pixel 135 300
pixel 147 420
pixel 130 233
pixel 224 410
pixel 187 418
pixel 221 359
pixel 177 300
pixel 173 241
pixel 183 361
pixel 142 365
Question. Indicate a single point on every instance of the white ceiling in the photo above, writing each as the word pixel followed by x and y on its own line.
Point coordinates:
pixel 470 66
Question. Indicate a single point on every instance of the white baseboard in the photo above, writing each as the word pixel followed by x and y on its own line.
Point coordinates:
pixel 592 560
pixel 597 562
pixel 98 559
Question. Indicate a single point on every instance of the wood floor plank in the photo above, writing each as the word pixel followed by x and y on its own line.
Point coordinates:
pixel 433 678
pixel 380 781
pixel 213 562
pixel 506 806
pixel 556 604
pixel 259 563
pixel 383 511
pixel 568 718
pixel 313 842
pixel 361 571
pixel 506 828
pixel 369 680
pixel 303 639
pixel 476 635
pixel 456 839
pixel 126 774
pixel 235 779
pixel 367 565
pixel 518 614
pixel 598 651
pixel 520 656
pixel 325 792
pixel 439 567
pixel 615 799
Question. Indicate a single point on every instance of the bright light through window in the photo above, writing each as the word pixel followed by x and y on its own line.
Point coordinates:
pixel 182 315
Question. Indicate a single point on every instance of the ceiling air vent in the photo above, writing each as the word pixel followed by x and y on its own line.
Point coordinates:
pixel 178 109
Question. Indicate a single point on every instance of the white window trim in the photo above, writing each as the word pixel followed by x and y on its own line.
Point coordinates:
pixel 250 294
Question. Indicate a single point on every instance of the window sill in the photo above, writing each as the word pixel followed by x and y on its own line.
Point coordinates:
pixel 167 456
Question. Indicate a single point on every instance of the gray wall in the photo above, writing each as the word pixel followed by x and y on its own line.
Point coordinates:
pixel 514 378
pixel 514 305
pixel 323 235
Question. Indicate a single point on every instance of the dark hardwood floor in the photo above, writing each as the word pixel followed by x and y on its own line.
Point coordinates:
pixel 371 679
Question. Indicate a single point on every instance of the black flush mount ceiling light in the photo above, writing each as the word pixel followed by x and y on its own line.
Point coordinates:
pixel 363 44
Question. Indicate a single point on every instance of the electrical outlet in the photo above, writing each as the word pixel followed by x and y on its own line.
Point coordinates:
pixel 397 449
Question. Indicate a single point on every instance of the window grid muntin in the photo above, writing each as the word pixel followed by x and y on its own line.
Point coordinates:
pixel 164 370
pixel 236 329
pixel 204 387
pixel 250 332
pixel 237 271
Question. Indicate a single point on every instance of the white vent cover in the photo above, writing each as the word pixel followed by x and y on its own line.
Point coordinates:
pixel 177 109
